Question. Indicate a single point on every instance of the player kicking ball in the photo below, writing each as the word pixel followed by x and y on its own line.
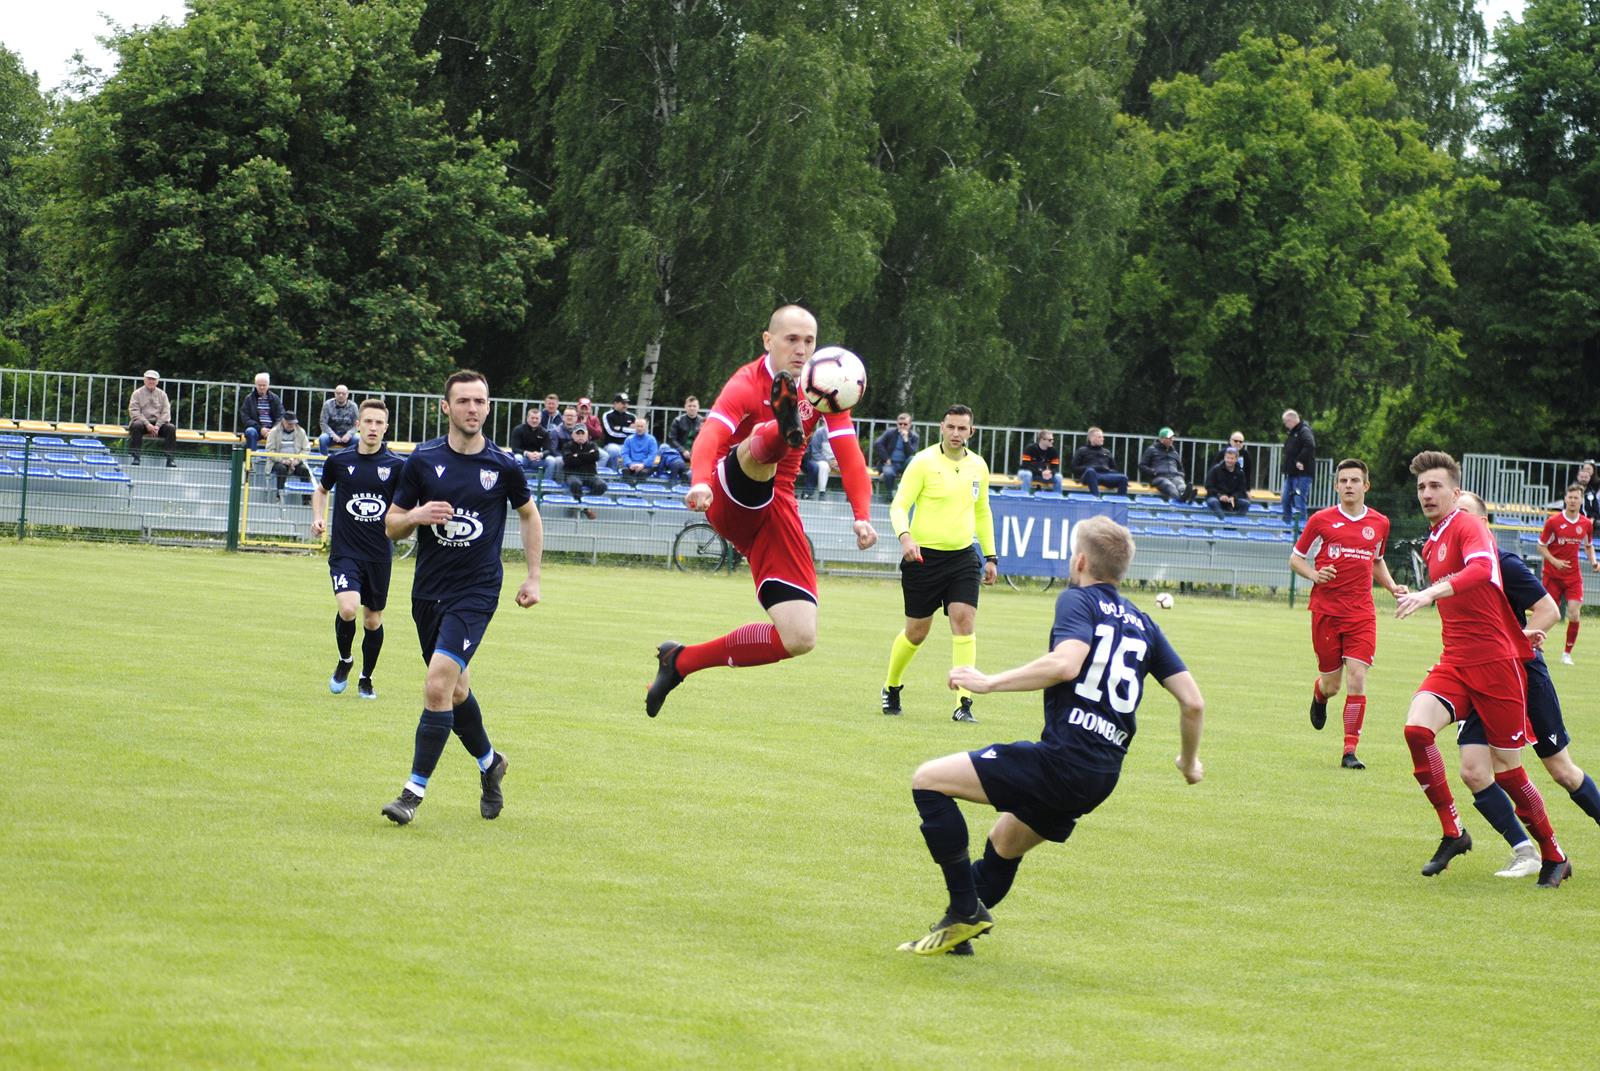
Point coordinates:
pixel 1102 648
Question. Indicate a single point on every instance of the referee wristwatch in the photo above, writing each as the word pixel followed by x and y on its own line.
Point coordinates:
pixel 991 558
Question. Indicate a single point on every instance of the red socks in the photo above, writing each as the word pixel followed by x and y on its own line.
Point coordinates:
pixel 1316 690
pixel 747 645
pixel 767 444
pixel 1572 634
pixel 1427 766
pixel 1530 808
pixel 1355 712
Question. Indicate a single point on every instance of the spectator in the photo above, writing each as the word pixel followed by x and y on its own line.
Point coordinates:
pixel 550 415
pixel 339 416
pixel 685 426
pixel 1235 440
pixel 259 411
pixel 560 436
pixel 580 460
pixel 893 451
pixel 1585 479
pixel 618 425
pixel 1162 468
pixel 152 415
pixel 586 417
pixel 1092 464
pixel 1041 463
pixel 1227 491
pixel 288 437
pixel 640 454
pixel 817 463
pixel 1299 464
pixel 531 443
pixel 674 466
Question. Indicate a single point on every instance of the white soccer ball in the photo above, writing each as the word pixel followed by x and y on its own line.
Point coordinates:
pixel 1164 600
pixel 834 379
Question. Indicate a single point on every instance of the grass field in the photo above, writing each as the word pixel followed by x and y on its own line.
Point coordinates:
pixel 194 873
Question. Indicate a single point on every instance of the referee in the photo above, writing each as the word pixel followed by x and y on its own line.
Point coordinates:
pixel 941 504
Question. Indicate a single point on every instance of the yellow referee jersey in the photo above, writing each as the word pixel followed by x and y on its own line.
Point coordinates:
pixel 950 500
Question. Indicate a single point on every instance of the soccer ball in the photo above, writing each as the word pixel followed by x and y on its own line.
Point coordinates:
pixel 834 379
pixel 1164 600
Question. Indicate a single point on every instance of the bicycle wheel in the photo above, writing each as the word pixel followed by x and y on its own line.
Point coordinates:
pixel 698 548
pixel 1029 583
pixel 405 548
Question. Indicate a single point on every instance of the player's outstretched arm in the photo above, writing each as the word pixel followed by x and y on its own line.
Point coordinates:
pixel 319 511
pixel 533 549
pixel 1299 565
pixel 1191 715
pixel 1064 663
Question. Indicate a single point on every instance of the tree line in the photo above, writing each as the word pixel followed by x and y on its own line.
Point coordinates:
pixel 1061 212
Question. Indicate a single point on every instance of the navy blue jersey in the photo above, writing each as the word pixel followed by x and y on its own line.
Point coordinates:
pixel 461 556
pixel 1522 588
pixel 1089 722
pixel 363 486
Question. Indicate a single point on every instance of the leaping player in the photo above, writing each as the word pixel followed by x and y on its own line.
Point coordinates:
pixel 1564 533
pixel 743 469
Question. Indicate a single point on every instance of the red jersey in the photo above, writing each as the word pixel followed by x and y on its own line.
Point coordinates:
pixel 745 401
pixel 1564 536
pixel 1477 620
pixel 1352 545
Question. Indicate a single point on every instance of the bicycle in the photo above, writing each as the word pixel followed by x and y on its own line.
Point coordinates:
pixel 700 548
pixel 1029 583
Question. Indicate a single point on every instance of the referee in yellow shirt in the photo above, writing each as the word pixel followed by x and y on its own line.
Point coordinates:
pixel 948 488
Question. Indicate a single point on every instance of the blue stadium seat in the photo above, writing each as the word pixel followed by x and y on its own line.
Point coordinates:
pixel 1140 515
pixel 58 457
pixel 1160 530
pixel 1261 537
pixel 297 487
pixel 112 476
pixel 671 502
pixel 73 474
pixel 8 469
pixel 102 460
pixel 560 498
pixel 1192 532
pixel 87 444
pixel 49 440
pixel 635 501
pixel 13 440
pixel 1226 533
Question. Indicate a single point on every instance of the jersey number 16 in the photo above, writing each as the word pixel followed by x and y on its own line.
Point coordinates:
pixel 1123 663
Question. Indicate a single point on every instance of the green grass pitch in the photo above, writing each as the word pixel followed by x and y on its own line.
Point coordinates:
pixel 194 873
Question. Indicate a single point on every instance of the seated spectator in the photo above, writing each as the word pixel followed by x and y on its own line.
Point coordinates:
pixel 580 461
pixel 893 450
pixel 674 466
pixel 560 436
pixel 531 443
pixel 152 415
pixel 1041 463
pixel 597 431
pixel 685 426
pixel 640 454
pixel 1092 463
pixel 1162 468
pixel 1235 440
pixel 550 415
pixel 618 425
pixel 339 415
pixel 259 411
pixel 816 464
pixel 1227 491
pixel 1587 483
pixel 288 437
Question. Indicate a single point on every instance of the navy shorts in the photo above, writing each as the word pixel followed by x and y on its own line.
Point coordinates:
pixel 453 627
pixel 1023 779
pixel 371 579
pixel 941 578
pixel 1544 714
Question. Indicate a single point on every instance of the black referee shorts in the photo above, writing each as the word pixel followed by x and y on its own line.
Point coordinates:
pixel 941 578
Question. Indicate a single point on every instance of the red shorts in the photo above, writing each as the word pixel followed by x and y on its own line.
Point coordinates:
pixel 1337 638
pixel 1564 587
pixel 1496 691
pixel 770 536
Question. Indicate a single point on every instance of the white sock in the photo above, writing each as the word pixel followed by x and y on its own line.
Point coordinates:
pixel 486 761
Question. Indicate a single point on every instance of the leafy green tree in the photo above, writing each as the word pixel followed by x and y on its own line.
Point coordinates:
pixel 23 113
pixel 266 187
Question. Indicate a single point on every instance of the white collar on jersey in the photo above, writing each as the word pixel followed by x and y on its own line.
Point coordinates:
pixel 1340 507
pixel 1442 525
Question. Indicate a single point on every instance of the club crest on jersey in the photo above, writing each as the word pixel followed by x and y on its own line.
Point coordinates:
pixel 806 411
pixel 488 478
pixel 383 472
pixel 1367 532
pixel 1441 554
pixel 1335 551
pixel 438 470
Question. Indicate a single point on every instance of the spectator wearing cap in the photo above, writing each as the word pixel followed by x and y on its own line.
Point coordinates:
pixel 597 431
pixel 1227 490
pixel 1299 464
pixel 618 425
pixel 259 411
pixel 288 437
pixel 1161 466
pixel 530 441
pixel 1041 463
pixel 580 460
pixel 339 416
pixel 1092 463
pixel 151 414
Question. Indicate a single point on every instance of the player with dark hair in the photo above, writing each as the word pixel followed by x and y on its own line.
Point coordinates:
pixel 1551 739
pixel 1340 550
pixel 743 468
pixel 1564 534
pixel 453 493
pixel 362 478
pixel 1479 673
pixel 940 506
pixel 1101 649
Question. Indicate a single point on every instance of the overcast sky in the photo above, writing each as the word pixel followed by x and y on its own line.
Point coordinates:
pixel 46 32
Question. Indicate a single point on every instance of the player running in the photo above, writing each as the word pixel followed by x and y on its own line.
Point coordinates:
pixel 1480 671
pixel 362 478
pixel 743 468
pixel 940 505
pixel 1101 649
pixel 1340 551
pixel 1551 739
pixel 453 493
pixel 1563 534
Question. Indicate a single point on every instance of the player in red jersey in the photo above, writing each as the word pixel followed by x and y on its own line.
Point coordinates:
pixel 743 468
pixel 1480 671
pixel 1564 533
pixel 1340 551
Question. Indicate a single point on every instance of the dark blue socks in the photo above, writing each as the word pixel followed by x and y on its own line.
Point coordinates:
pixel 433 732
pixel 1588 797
pixel 1496 808
pixel 946 833
pixel 371 645
pixel 344 632
pixel 993 874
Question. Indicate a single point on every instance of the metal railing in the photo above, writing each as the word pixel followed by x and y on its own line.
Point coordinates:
pixel 1522 481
